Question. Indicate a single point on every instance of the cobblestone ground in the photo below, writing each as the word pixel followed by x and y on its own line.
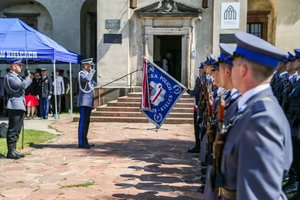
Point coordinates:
pixel 128 162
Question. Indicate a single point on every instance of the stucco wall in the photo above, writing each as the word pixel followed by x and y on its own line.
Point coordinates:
pixel 44 19
pixel 112 59
pixel 288 25
pixel 217 22
pixel 66 22
pixel 115 60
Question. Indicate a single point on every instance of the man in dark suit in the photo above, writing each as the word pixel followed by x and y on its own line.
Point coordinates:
pixel 258 152
pixel 45 92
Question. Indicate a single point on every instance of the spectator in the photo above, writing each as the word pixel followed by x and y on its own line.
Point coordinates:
pixel 31 98
pixel 167 63
pixel 44 95
pixel 60 90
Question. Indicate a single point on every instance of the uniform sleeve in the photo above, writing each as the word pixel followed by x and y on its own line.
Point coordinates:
pixel 261 159
pixel 87 77
pixel 18 84
pixel 195 91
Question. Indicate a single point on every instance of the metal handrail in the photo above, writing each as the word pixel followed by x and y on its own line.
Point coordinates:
pixel 108 92
pixel 119 78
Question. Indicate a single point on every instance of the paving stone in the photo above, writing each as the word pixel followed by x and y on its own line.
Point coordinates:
pixel 128 162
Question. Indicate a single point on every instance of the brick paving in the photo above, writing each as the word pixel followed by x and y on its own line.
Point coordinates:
pixel 128 162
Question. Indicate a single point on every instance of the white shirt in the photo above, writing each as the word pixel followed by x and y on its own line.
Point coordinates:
pixel 282 73
pixel 165 64
pixel 247 95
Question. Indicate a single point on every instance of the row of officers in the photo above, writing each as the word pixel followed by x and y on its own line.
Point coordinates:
pixel 15 87
pixel 247 120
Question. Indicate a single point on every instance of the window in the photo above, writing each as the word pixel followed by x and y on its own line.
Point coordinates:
pixel 255 29
pixel 257 23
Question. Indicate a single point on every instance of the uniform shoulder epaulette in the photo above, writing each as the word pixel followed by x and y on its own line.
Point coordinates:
pixel 260 106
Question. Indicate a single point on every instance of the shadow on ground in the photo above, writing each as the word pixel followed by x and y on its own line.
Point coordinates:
pixel 168 168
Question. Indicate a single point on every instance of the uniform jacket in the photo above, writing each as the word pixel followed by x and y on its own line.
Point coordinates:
pixel 45 87
pixel 258 150
pixel 60 86
pixel 15 88
pixel 1 87
pixel 86 87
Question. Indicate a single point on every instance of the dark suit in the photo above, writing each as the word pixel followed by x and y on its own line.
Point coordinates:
pixel 45 91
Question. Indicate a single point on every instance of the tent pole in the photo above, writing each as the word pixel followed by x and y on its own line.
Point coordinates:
pixel 71 89
pixel 55 97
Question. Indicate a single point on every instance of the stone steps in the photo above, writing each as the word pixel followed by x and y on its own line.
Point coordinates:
pixel 127 109
pixel 138 114
pixel 137 109
pixel 136 120
pixel 138 99
pixel 137 104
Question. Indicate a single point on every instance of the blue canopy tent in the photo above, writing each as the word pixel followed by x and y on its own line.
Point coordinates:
pixel 18 40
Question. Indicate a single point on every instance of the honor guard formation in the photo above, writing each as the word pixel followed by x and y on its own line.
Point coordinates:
pixel 247 121
pixel 246 117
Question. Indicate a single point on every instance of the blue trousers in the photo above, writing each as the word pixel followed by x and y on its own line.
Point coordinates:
pixel 44 107
pixel 84 123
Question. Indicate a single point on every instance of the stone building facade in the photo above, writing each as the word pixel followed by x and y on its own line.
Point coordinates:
pixel 118 37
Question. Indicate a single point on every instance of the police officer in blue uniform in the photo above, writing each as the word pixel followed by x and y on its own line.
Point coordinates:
pixel 195 93
pixel 257 154
pixel 293 114
pixel 45 92
pixel 229 95
pixel 85 101
pixel 15 87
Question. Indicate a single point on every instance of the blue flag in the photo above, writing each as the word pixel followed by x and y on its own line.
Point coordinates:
pixel 160 92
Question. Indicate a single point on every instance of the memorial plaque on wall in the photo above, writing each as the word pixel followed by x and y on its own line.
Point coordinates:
pixel 227 38
pixel 112 38
pixel 112 24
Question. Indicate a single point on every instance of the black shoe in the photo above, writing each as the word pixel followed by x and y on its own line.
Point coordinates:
pixel 201 189
pixel 84 146
pixel 203 171
pixel 91 145
pixel 194 150
pixel 20 154
pixel 12 155
pixel 203 180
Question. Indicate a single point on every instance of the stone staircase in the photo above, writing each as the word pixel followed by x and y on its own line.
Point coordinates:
pixel 127 109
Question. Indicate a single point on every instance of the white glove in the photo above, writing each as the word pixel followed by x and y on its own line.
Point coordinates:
pixel 49 97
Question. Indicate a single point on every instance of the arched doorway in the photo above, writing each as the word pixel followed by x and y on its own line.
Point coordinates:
pixel 88 29
pixel 262 18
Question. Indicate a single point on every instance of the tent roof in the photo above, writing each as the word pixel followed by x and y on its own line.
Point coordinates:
pixel 18 40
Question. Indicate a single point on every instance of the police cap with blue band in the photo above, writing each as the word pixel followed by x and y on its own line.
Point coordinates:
pixel 291 57
pixel 16 61
pixel 226 52
pixel 297 53
pixel 257 50
pixel 88 61
pixel 201 65
pixel 209 60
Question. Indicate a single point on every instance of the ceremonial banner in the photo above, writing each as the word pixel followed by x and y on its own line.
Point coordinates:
pixel 160 92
